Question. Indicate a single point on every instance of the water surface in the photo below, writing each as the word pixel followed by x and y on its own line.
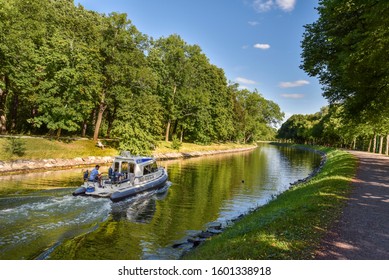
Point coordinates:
pixel 39 218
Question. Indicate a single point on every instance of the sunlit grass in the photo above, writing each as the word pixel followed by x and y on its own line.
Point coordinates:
pixel 41 148
pixel 292 225
pixel 166 147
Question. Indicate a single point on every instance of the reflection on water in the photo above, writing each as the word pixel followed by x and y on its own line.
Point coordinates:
pixel 39 218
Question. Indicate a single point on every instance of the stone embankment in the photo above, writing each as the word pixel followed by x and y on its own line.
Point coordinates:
pixel 178 155
pixel 24 165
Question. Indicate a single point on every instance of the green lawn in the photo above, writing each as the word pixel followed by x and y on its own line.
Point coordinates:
pixel 40 148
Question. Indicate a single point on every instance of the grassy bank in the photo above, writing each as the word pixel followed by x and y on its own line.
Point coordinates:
pixel 41 148
pixel 291 226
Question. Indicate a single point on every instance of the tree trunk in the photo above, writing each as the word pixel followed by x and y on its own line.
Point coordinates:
pixel 3 101
pixel 14 111
pixel 387 145
pixel 375 143
pixel 170 119
pixel 167 130
pixel 381 144
pixel 59 132
pixel 246 140
pixel 84 127
pixel 100 113
pixel 369 148
pixel 111 119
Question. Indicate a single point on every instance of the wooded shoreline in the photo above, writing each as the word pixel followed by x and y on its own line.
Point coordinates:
pixel 30 165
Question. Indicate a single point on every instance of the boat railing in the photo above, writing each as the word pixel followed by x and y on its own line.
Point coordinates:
pixel 148 177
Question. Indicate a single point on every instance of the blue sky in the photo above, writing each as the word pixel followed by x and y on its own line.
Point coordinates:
pixel 255 42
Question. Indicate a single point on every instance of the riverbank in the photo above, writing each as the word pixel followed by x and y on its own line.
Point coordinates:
pixel 43 154
pixel 291 226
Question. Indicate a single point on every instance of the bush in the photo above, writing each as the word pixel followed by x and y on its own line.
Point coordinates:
pixel 176 143
pixel 15 146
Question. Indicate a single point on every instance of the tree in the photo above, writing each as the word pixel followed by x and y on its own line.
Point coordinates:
pixel 121 57
pixel 67 70
pixel 254 116
pixel 346 48
pixel 22 31
pixel 138 125
pixel 168 59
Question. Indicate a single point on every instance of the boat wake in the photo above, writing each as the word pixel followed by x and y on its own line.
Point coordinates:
pixel 30 220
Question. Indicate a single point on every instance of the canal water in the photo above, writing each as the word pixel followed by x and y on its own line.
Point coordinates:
pixel 40 219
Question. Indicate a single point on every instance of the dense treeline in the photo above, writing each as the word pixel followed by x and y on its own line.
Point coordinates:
pixel 347 49
pixel 332 127
pixel 65 70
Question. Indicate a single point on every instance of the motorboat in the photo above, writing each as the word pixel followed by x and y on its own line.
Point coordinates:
pixel 128 176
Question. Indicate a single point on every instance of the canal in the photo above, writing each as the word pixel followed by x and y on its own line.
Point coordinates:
pixel 40 219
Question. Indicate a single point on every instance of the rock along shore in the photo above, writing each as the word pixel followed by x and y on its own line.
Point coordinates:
pixel 25 165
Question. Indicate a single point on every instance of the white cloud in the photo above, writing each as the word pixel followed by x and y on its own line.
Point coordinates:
pixel 245 81
pixel 263 5
pixel 293 95
pixel 262 46
pixel 266 5
pixel 286 5
pixel 253 23
pixel 298 83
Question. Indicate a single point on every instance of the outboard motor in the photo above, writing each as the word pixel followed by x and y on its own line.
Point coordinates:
pixel 79 191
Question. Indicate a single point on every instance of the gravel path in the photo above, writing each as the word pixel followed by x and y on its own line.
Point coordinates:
pixel 362 233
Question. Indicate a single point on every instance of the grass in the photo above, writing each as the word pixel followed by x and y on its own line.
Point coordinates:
pixel 166 147
pixel 41 148
pixel 292 225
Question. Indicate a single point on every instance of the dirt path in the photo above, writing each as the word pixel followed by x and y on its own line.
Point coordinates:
pixel 362 233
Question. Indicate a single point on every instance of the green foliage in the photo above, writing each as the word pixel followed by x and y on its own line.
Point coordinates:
pixel 15 146
pixel 176 143
pixel 138 124
pixel 346 48
pixel 67 70
pixel 332 126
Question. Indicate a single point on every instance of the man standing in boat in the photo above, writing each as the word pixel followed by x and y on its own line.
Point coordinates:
pixel 95 175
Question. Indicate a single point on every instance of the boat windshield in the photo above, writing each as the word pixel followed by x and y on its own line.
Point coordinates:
pixel 150 168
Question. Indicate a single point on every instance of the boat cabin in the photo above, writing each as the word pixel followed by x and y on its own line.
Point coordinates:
pixel 130 167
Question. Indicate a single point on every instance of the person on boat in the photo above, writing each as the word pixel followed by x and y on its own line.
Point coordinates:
pixel 117 175
pixel 95 174
pixel 111 174
pixel 86 175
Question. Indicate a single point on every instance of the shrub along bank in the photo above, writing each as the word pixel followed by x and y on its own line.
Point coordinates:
pixel 291 226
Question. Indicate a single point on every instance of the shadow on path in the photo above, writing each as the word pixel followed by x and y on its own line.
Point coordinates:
pixel 362 232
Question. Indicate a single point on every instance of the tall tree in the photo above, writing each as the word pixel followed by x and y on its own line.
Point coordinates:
pixel 169 60
pixel 21 35
pixel 346 48
pixel 70 73
pixel 122 55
